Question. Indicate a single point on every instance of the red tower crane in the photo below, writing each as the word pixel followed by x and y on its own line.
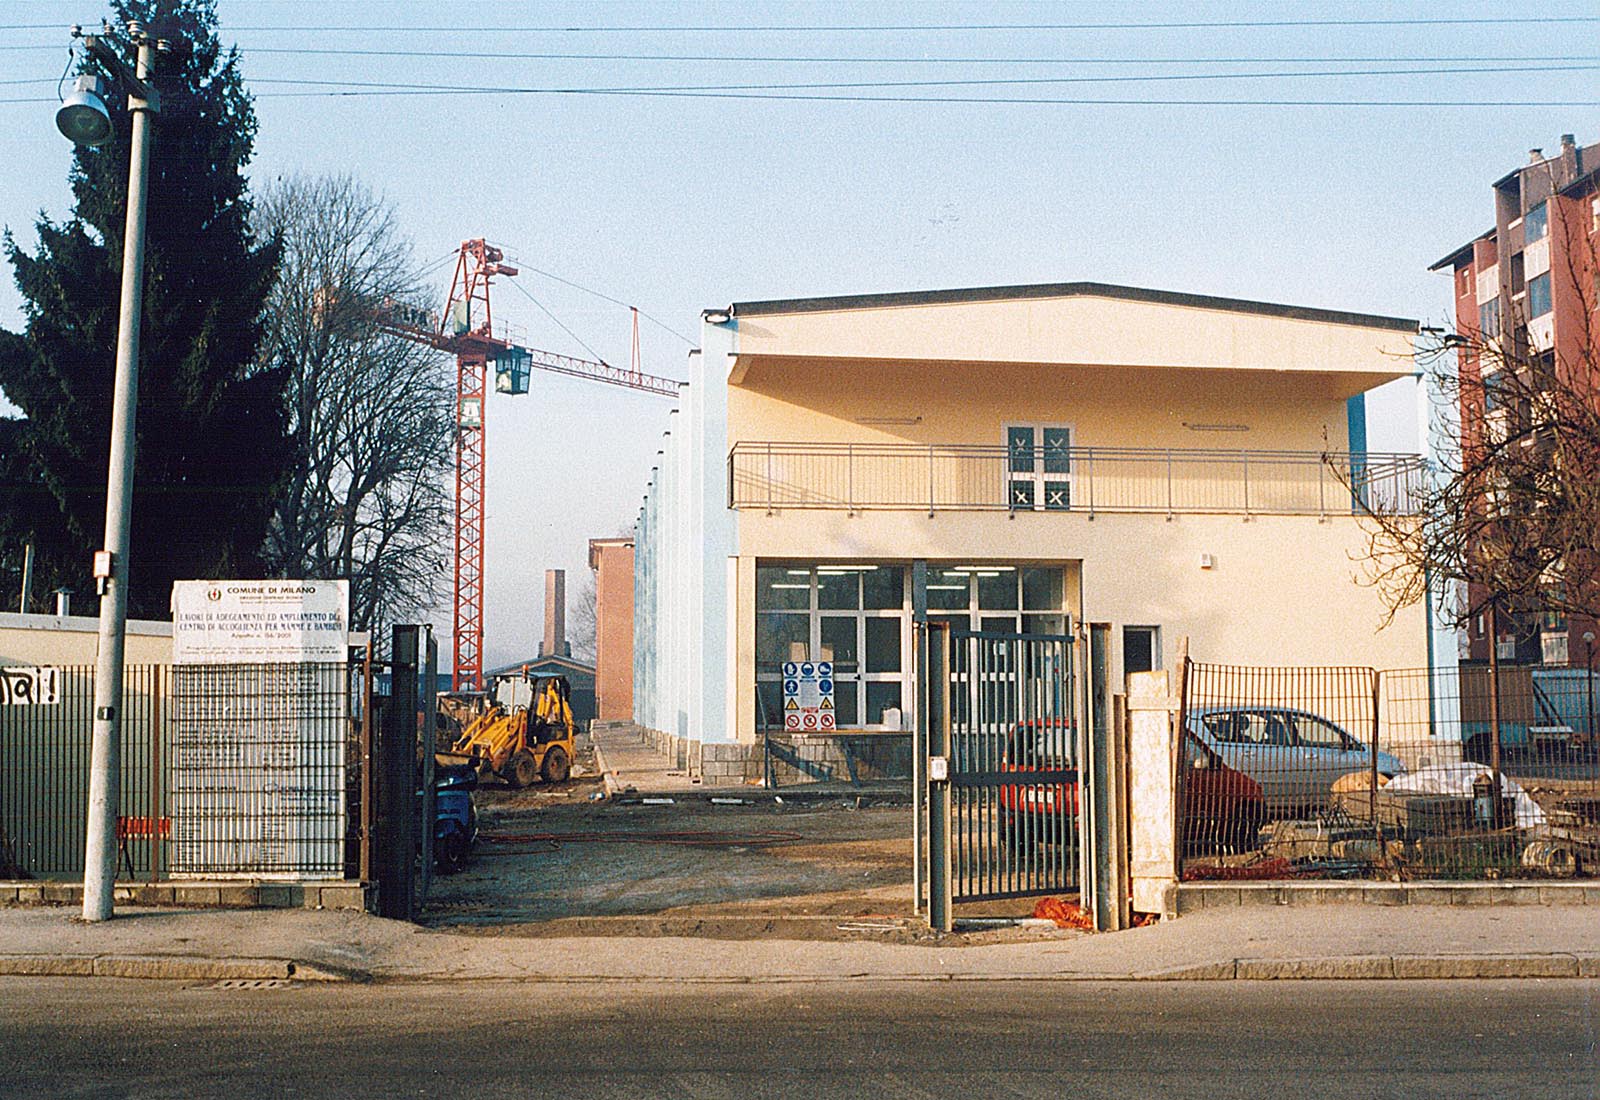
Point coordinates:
pixel 465 330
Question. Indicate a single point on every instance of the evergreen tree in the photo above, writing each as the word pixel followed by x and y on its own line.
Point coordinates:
pixel 211 440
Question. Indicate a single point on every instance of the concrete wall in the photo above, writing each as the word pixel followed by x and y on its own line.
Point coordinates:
pixel 74 640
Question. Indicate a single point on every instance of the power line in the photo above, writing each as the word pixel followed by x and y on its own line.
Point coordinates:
pixel 598 294
pixel 869 28
pixel 504 55
pixel 559 323
pixel 946 83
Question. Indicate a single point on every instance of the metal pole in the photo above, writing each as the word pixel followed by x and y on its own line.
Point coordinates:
pixel 939 800
pixel 1494 710
pixel 27 579
pixel 100 851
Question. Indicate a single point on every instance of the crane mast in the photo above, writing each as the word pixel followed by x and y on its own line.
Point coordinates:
pixel 466 330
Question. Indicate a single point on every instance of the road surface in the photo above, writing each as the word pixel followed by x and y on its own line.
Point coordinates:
pixel 1305 1040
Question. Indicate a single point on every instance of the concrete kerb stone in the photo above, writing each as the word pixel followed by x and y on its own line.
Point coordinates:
pixel 1194 897
pixel 1331 967
pixel 1487 966
pixel 170 968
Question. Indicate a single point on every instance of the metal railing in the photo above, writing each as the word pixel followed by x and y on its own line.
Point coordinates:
pixel 937 477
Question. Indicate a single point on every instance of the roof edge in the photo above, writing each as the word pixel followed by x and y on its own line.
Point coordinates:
pixel 1065 290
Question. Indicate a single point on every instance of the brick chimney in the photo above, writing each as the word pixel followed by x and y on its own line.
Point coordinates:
pixel 555 614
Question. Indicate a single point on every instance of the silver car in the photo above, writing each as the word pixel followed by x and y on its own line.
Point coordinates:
pixel 1295 755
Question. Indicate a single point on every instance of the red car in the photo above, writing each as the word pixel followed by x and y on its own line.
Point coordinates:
pixel 1222 807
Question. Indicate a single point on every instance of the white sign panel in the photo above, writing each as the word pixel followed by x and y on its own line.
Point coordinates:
pixel 808 696
pixel 20 686
pixel 259 622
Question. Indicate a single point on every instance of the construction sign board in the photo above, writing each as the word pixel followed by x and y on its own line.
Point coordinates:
pixel 808 696
pixel 259 622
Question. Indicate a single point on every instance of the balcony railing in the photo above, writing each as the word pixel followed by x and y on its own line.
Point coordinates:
pixel 857 477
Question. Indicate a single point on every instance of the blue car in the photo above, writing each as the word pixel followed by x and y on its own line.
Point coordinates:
pixel 1295 755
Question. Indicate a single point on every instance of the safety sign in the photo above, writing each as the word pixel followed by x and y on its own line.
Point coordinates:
pixel 808 696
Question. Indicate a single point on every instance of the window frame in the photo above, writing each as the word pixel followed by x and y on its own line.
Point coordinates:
pixel 1039 480
pixel 814 615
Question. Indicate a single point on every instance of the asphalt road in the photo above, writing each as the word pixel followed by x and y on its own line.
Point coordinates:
pixel 104 1038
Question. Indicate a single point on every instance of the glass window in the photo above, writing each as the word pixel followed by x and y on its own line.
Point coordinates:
pixel 844 703
pixel 881 695
pixel 1042 589
pixel 957 622
pixel 883 645
pixel 781 637
pixel 1001 624
pixel 1141 649
pixel 884 588
pixel 1057 450
pixel 1536 225
pixel 949 591
pixel 1316 734
pixel 1019 442
pixel 999 591
pixel 1539 295
pixel 1489 318
pixel 769 704
pixel 779 586
pixel 1044 624
pixel 838 589
pixel 839 644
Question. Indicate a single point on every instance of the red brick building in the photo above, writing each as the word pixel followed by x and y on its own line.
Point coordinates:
pixel 1529 284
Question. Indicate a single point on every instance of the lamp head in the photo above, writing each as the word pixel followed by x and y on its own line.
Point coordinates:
pixel 83 117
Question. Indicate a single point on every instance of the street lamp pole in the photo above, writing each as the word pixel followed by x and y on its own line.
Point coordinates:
pixel 111 563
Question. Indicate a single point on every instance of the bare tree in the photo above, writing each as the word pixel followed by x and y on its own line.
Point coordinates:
pixel 369 411
pixel 1508 519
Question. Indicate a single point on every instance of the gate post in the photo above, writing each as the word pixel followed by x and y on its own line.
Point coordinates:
pixel 1107 885
pixel 395 850
pixel 937 665
pixel 1153 760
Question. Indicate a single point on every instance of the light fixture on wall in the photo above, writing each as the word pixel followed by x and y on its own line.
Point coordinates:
pixel 888 421
pixel 716 316
pixel 1216 427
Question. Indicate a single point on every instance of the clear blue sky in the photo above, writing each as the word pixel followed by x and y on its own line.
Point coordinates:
pixel 678 204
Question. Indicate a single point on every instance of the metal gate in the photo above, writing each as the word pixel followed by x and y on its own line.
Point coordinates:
pixel 999 749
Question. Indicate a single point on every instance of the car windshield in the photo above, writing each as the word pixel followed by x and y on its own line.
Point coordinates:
pixel 1197 754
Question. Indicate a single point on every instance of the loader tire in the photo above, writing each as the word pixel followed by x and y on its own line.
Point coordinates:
pixel 556 765
pixel 521 769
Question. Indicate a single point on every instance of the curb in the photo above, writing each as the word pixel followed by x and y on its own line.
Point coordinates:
pixel 171 967
pixel 1325 968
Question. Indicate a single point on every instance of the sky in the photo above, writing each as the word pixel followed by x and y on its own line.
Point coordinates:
pixel 676 203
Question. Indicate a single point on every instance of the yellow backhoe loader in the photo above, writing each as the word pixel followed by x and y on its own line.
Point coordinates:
pixel 523 733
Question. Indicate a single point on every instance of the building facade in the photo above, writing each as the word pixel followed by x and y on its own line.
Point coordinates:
pixel 1123 466
pixel 612 562
pixel 1528 285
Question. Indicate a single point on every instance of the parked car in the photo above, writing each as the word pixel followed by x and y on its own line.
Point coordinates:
pixel 1293 754
pixel 1222 807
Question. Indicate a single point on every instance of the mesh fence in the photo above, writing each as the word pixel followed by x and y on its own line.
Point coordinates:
pixel 1360 773
pixel 225 770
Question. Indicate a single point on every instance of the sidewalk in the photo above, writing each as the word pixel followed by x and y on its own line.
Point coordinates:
pixel 629 766
pixel 1352 941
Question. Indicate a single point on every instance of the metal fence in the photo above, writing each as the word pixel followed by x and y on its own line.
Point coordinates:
pixel 249 770
pixel 1356 772
pixel 961 477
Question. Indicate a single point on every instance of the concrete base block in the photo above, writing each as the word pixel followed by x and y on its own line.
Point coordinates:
pixel 47 966
pixel 182 968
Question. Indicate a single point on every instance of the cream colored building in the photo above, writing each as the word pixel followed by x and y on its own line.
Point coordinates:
pixel 1123 465
pixel 66 640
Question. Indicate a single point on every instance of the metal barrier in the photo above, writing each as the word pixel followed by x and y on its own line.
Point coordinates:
pixel 231 769
pixel 1000 754
pixel 970 477
pixel 1361 773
